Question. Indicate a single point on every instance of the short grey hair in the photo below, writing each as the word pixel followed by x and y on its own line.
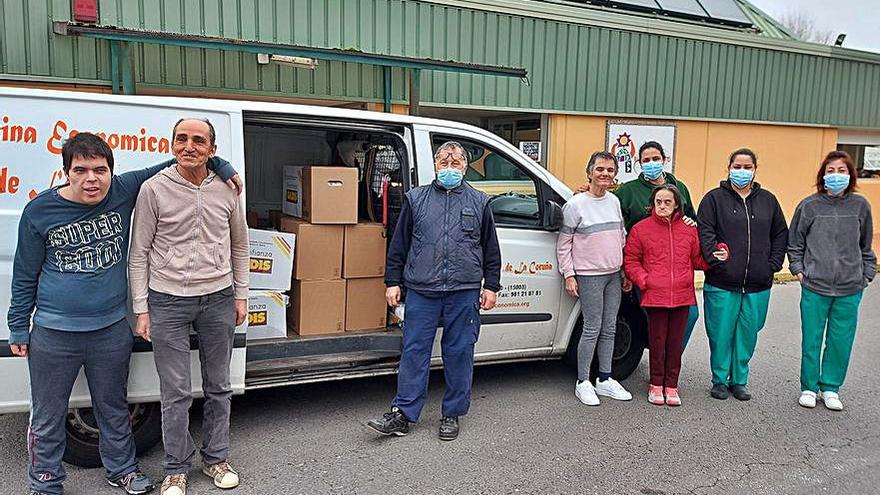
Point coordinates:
pixel 212 134
pixel 450 145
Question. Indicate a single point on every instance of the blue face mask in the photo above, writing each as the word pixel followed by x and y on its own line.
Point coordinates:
pixel 449 178
pixel 836 183
pixel 652 170
pixel 741 177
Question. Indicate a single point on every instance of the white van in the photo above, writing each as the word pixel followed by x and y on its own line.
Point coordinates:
pixel 534 318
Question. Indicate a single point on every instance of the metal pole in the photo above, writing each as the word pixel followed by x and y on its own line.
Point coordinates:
pixel 386 70
pixel 127 60
pixel 114 66
pixel 414 83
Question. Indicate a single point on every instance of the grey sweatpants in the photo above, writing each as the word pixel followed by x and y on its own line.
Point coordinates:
pixel 212 316
pixel 600 300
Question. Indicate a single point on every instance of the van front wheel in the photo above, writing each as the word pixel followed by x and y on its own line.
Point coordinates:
pixel 82 433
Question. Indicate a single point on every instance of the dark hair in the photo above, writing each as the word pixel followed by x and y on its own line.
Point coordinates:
pixel 676 195
pixel 600 155
pixel 212 134
pixel 651 144
pixel 85 145
pixel 743 151
pixel 850 167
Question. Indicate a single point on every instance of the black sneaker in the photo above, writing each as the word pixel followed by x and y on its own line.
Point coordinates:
pixel 449 428
pixel 134 483
pixel 392 423
pixel 720 392
pixel 740 392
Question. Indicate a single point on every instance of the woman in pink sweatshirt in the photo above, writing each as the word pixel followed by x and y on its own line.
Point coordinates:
pixel 590 254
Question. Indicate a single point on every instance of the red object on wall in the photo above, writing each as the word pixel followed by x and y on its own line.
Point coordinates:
pixel 85 10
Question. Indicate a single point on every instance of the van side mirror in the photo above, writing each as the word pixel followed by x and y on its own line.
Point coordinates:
pixel 552 216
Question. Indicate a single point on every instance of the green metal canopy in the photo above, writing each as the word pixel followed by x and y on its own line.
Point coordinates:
pixel 123 73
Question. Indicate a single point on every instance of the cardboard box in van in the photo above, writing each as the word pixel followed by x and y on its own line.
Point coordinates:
pixel 318 249
pixel 321 194
pixel 271 259
pixel 365 307
pixel 267 315
pixel 363 255
pixel 317 307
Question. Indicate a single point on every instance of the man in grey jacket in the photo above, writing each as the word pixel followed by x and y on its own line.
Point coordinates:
pixel 444 251
pixel 189 270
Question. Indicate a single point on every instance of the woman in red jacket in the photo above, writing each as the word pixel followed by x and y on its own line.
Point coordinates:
pixel 660 257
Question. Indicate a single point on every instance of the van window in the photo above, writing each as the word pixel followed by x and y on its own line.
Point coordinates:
pixel 513 192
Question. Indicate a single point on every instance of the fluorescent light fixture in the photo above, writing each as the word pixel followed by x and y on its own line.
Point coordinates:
pixel 301 62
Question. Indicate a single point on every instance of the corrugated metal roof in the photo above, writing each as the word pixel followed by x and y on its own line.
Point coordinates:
pixel 766 24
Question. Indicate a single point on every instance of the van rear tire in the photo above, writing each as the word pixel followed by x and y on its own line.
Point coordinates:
pixel 630 341
pixel 82 433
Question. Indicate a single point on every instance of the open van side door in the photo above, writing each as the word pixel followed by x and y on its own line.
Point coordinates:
pixel 138 130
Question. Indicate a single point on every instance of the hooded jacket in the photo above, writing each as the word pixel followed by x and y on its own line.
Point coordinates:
pixel 660 258
pixel 753 228
pixel 830 244
pixel 187 240
pixel 635 199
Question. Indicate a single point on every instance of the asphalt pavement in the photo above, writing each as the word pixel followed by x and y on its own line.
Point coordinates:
pixel 528 434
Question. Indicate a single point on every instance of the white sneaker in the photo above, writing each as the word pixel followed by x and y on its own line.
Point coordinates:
pixel 807 399
pixel 585 392
pixel 831 400
pixel 610 388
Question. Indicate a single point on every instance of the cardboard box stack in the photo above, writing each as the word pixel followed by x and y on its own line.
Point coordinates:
pixel 271 263
pixel 338 263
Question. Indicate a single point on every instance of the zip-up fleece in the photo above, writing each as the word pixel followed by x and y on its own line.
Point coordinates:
pixel 187 240
pixel 830 243
pixel 755 231
pixel 660 258
pixel 592 236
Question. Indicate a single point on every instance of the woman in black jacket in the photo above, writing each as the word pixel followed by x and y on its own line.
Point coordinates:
pixel 747 221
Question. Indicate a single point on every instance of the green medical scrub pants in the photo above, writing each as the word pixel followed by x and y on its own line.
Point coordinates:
pixel 733 320
pixel 834 320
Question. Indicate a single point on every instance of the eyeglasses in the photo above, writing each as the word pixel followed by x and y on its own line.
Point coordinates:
pixel 455 159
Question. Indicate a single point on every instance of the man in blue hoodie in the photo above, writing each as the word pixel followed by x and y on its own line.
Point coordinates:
pixel 71 266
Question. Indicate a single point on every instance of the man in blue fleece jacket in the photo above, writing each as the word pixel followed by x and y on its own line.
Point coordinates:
pixel 71 266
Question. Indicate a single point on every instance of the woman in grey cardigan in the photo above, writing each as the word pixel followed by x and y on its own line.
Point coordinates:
pixel 830 252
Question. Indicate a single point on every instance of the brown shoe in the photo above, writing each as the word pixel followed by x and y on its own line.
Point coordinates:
pixel 174 484
pixel 222 473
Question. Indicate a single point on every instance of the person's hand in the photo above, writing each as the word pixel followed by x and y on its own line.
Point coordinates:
pixel 240 311
pixel 487 300
pixel 722 252
pixel 392 296
pixel 627 284
pixel 571 286
pixel 236 184
pixel 690 222
pixel 143 326
pixel 583 188
pixel 800 277
pixel 19 349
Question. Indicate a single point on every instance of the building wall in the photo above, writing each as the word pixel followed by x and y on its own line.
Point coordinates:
pixel 788 156
pixel 639 66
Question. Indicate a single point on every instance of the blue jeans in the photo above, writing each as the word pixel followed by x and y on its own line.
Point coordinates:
pixel 459 314
pixel 54 360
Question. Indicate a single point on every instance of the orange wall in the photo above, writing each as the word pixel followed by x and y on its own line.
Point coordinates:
pixel 788 156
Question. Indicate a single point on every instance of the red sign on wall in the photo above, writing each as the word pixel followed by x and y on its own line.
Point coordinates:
pixel 85 10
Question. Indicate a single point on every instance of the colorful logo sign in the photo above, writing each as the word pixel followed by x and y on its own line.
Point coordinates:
pixel 624 149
